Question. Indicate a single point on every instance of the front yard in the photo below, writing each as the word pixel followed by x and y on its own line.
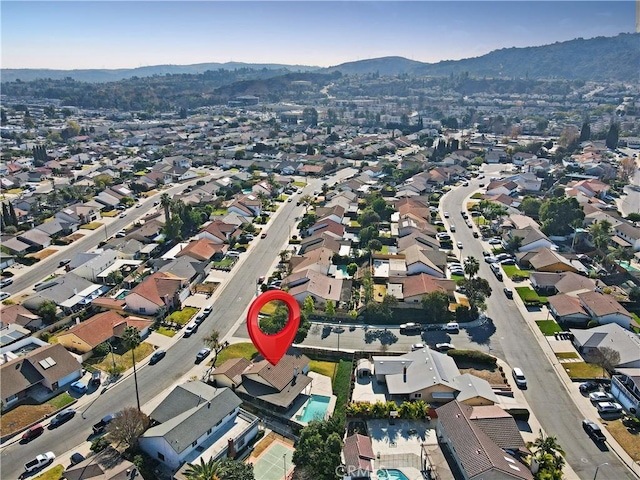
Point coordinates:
pixel 513 270
pixel 626 433
pixel 548 327
pixel 529 296
pixel 579 370
pixel 181 317
pixel 91 226
pixel 121 357
pixel 24 415
pixel 237 350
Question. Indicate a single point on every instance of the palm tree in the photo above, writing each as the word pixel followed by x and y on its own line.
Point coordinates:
pixel 131 338
pixel 471 266
pixel 209 470
pixel 600 234
pixel 547 445
pixel 165 201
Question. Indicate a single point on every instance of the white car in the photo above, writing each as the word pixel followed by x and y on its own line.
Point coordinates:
pixel 495 241
pixel 600 397
pixel 609 407
pixel 452 327
pixel 443 347
pixel 4 295
pixel 417 346
pixel 459 245
pixel 446 214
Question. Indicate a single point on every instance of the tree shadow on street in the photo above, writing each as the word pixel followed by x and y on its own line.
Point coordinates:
pixel 482 334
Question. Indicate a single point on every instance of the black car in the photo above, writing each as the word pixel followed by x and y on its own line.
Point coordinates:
pixel 157 356
pixel 508 292
pixel 589 386
pixel 76 458
pixel 593 430
pixel 64 416
pixel 202 354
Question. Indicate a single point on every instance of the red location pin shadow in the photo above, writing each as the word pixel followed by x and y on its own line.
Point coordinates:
pixel 273 347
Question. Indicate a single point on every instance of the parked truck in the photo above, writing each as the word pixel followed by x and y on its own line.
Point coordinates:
pixel 101 426
pixel 39 462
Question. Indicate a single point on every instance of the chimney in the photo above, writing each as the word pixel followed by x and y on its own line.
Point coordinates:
pixel 231 448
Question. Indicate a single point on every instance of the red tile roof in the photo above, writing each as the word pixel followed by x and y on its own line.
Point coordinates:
pixel 158 285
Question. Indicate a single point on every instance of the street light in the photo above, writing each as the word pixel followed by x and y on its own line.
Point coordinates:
pixel 601 465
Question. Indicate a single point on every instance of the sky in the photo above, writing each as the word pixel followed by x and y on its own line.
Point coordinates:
pixel 127 34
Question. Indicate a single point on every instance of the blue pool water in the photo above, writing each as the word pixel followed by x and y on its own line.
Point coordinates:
pixel 316 408
pixel 628 267
pixel 391 474
pixel 122 294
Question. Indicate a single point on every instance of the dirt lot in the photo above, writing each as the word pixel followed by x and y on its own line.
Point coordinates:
pixel 44 253
pixel 18 418
pixel 74 236
pixel 491 375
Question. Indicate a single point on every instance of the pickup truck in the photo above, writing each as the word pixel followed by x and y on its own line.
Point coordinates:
pixel 101 426
pixel 39 462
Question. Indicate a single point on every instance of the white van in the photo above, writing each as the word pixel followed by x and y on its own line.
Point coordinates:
pixel 452 327
pixel 519 377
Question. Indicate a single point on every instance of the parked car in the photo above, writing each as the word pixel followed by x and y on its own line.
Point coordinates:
pixel 508 261
pixel 263 235
pixel 417 346
pixel 452 227
pixel 600 397
pixel 444 347
pixel 459 245
pixel 39 462
pixel 475 234
pixel 157 356
pixel 410 327
pixel 519 378
pixel 4 295
pixel 202 354
pixel 191 329
pixel 32 432
pixel 78 387
pixel 508 292
pixel 609 407
pixel 76 458
pixel 62 417
pixel 6 282
pixel 122 215
pixel 64 262
pixel 588 386
pixel 452 327
pixel 446 214
pixel 593 430
pixel 495 241
pixel 207 310
pixel 101 426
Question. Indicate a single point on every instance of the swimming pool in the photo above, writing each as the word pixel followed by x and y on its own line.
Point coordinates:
pixel 122 294
pixel 628 267
pixel 315 409
pixel 391 474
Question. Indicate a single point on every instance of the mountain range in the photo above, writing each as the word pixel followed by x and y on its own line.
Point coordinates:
pixel 600 58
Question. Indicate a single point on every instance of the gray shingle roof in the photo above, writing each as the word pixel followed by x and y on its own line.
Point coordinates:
pixel 189 411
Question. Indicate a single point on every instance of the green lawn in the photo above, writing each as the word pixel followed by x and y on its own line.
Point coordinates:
pixel 123 361
pixel 183 316
pixel 54 473
pixel 582 370
pixel 61 400
pixel 327 369
pixel 299 184
pixel 457 278
pixel 511 270
pixel 237 350
pixel 225 262
pixel 167 332
pixel 341 385
pixel 91 226
pixel 567 355
pixel 548 327
pixel 220 211
pixel 529 295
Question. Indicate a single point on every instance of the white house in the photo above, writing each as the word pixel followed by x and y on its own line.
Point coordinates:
pixel 605 309
pixel 159 290
pixel 91 268
pixel 629 234
pixel 197 421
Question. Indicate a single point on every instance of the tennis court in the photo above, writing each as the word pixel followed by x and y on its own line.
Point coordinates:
pixel 271 464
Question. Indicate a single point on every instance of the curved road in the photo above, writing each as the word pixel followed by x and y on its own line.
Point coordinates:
pixel 514 342
pixel 228 308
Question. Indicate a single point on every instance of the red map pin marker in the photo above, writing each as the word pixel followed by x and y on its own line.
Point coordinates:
pixel 273 347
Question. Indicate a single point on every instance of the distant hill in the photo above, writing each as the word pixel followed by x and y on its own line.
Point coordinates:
pixel 600 58
pixel 101 76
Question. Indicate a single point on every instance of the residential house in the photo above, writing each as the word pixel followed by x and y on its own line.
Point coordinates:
pixel 197 421
pixel 625 388
pixel 311 283
pixel 276 387
pixel 81 213
pixel 358 457
pixel 502 187
pixel 149 232
pixel 418 261
pixel 319 259
pixel 69 291
pixel 629 234
pixel 36 238
pixel 100 328
pixel 184 267
pixel 415 287
pixel 591 187
pixel 567 309
pixel 56 228
pixel 160 291
pixel 12 333
pixel 218 232
pixel 546 260
pixel 90 265
pixel 532 238
pixel 107 464
pixel 16 246
pixel 430 376
pixel 626 343
pixel 18 315
pixel 326 225
pixel 546 283
pixel 246 205
pixel 229 374
pixel 203 249
pixel 49 367
pixel 475 453
pixel 606 309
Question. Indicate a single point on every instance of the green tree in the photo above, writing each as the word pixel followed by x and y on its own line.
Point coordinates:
pixel 611 140
pixel 12 214
pixel 491 210
pixel 317 454
pixel 165 202
pixel 585 131
pixel 308 305
pixel 600 232
pixel 471 266
pixel 368 217
pixel 310 116
pixel 131 339
pixel 477 290
pixel 330 308
pixel 530 206
pixel 436 305
pixel 48 310
pixel 374 245
pixel 115 277
pixel 559 216
pixel 352 268
pixel 513 244
pixel 225 469
pixel 550 457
